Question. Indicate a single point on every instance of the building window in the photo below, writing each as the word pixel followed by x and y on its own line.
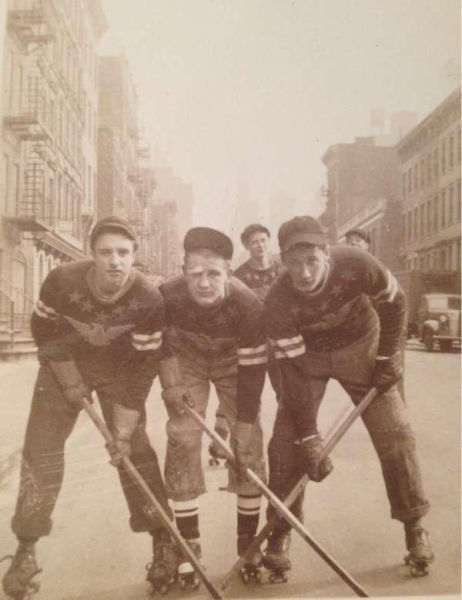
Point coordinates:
pixel 443 209
pixel 435 214
pixel 429 168
pixel 422 173
pixel 451 151
pixel 458 256
pixel 443 259
pixel 409 180
pixel 458 146
pixel 17 184
pixel 429 217
pixel 458 201
pixel 416 177
pixel 450 205
pixel 6 183
pixel 443 157
pixel 409 226
pixel 416 224
pixel 404 185
pixel 422 220
pixel 435 163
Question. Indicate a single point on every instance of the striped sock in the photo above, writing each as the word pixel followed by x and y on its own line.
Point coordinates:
pixel 248 512
pixel 187 517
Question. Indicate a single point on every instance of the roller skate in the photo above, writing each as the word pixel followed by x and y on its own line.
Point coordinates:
pixel 276 558
pixel 251 571
pixel 216 453
pixel 187 576
pixel 420 552
pixel 161 572
pixel 17 582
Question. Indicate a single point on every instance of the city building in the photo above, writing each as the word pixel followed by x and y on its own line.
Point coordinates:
pixel 47 141
pixel 363 191
pixel 430 169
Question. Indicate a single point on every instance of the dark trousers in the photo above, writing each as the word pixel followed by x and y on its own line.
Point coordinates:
pixel 385 419
pixel 51 420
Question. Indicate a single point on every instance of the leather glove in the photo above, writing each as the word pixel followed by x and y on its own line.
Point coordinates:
pixel 73 386
pixel 174 398
pixel 214 449
pixel 387 372
pixel 242 452
pixel 310 450
pixel 119 449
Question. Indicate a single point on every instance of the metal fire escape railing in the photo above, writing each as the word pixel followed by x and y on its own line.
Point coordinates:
pixel 15 309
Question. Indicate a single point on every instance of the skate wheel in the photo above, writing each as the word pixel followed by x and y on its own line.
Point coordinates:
pixel 182 584
pixel 245 577
pixel 257 577
pixel 196 583
pixel 419 570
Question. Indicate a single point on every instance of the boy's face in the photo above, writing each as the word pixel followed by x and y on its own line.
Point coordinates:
pixel 206 275
pixel 356 240
pixel 113 255
pixel 307 266
pixel 257 244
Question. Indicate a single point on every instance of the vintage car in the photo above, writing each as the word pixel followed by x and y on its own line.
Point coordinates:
pixel 439 320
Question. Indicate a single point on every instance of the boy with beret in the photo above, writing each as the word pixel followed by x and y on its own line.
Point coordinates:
pixel 323 325
pixel 98 325
pixel 216 335
pixel 358 238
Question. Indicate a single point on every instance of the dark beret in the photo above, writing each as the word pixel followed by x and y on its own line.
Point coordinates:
pixel 301 230
pixel 199 238
pixel 112 223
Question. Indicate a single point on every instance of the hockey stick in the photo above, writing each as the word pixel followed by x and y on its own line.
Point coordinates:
pixel 280 507
pixel 329 445
pixel 154 505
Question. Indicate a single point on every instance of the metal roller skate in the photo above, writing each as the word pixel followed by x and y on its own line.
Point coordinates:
pixel 251 571
pixel 276 558
pixel 420 552
pixel 187 576
pixel 161 572
pixel 216 453
pixel 17 582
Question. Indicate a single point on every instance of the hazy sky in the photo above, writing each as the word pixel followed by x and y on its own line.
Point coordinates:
pixel 261 88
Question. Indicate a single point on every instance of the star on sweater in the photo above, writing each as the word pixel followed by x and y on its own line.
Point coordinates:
pixel 75 297
pixel 336 290
pixel 134 304
pixel 86 305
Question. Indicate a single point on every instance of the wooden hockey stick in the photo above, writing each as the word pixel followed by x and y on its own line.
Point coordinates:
pixel 329 445
pixel 154 506
pixel 282 508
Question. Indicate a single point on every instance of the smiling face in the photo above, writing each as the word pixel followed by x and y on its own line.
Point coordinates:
pixel 306 265
pixel 257 244
pixel 206 275
pixel 113 255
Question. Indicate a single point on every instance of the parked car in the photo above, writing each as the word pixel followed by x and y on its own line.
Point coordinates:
pixel 439 320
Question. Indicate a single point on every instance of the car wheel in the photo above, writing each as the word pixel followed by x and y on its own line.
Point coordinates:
pixel 445 345
pixel 428 340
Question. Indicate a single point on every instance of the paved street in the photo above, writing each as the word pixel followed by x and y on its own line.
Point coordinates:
pixel 92 554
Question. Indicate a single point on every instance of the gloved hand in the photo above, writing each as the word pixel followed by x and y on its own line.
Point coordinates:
pixel 310 450
pixel 242 452
pixel 175 397
pixel 119 449
pixel 387 372
pixel 73 386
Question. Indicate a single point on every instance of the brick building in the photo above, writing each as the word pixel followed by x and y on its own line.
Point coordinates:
pixel 363 191
pixel 430 171
pixel 47 140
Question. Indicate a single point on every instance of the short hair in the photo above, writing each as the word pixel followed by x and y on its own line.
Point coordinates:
pixel 251 229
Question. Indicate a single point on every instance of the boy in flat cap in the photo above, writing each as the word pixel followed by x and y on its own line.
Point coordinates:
pixel 358 238
pixel 98 325
pixel 216 334
pixel 323 325
pixel 258 273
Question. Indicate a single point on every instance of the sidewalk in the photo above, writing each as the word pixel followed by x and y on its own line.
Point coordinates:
pixel 16 386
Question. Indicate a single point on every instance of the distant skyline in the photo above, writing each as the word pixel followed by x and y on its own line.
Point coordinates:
pixel 263 87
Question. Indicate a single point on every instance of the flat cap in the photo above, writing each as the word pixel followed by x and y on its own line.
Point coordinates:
pixel 301 230
pixel 360 233
pixel 251 229
pixel 199 238
pixel 109 224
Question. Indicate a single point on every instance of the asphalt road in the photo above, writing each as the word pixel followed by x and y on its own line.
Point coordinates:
pixel 92 555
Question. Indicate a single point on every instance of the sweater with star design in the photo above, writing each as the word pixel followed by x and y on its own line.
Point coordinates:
pixel 258 280
pixel 357 288
pixel 234 327
pixel 113 343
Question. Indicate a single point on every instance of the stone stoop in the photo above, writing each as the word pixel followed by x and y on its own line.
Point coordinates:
pixel 23 347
